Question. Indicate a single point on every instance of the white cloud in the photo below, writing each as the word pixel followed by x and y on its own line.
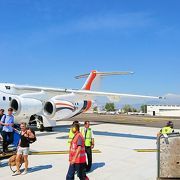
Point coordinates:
pixel 105 22
pixel 172 99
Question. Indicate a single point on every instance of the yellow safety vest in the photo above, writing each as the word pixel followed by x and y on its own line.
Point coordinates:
pixel 88 138
pixel 166 130
pixel 70 137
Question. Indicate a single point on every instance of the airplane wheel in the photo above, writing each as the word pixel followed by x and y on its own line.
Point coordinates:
pixel 41 129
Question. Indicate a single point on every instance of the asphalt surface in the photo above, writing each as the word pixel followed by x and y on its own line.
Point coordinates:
pixel 146 121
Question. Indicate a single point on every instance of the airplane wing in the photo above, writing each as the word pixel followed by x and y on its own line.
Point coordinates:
pixel 112 96
pixel 36 88
pixel 84 94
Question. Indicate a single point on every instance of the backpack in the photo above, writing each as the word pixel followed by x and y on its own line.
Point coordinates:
pixel 32 140
pixel 4 118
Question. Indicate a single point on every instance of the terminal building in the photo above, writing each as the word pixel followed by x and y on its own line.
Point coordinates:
pixel 164 110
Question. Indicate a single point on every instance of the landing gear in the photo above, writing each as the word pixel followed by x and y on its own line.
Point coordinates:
pixel 38 122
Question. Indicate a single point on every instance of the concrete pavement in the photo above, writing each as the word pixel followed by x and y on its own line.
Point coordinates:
pixel 118 159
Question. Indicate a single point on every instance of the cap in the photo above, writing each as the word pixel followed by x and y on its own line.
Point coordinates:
pixel 169 123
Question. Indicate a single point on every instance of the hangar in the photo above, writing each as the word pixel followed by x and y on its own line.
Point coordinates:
pixel 163 110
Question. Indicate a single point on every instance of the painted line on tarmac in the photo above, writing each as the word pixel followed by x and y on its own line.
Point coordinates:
pixel 56 152
pixel 146 150
pixel 9 154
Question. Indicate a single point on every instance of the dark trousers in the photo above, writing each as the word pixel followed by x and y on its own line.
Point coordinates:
pixel 81 171
pixel 89 158
pixel 7 139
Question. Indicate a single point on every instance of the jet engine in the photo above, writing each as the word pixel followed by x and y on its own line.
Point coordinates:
pixel 26 106
pixel 58 109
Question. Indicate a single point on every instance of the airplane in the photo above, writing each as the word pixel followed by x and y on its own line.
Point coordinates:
pixel 46 105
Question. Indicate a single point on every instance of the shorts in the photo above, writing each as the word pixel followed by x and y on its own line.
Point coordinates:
pixel 23 150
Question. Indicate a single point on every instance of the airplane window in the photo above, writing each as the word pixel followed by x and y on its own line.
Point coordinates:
pixel 4 98
pixel 10 98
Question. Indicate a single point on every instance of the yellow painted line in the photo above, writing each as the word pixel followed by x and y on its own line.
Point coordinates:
pixel 7 155
pixel 48 152
pixel 55 152
pixel 146 150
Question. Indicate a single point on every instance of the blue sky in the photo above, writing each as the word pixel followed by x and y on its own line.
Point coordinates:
pixel 47 43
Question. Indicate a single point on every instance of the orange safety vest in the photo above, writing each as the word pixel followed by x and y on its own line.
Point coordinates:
pixel 73 148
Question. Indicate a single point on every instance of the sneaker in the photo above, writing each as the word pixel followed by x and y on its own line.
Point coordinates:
pixel 16 173
pixel 24 172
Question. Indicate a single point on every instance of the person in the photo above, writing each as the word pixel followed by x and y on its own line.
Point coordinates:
pixel 7 121
pixel 77 156
pixel 71 134
pixel 23 148
pixel 1 115
pixel 167 129
pixel 1 126
pixel 89 143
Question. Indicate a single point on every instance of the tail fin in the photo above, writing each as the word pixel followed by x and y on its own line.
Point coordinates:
pixel 94 78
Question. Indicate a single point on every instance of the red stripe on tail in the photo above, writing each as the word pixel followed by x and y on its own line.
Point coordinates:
pixel 90 80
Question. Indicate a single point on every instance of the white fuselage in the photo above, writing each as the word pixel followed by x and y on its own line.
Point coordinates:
pixel 46 105
pixel 64 106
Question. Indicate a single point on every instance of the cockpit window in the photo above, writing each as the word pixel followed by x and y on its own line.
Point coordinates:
pixel 7 87
pixel 4 98
pixel 10 98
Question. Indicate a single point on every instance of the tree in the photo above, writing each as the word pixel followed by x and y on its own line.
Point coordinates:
pixel 95 109
pixel 110 107
pixel 134 110
pixel 127 108
pixel 144 108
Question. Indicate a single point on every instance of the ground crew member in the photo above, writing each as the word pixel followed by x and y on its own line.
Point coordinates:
pixel 167 129
pixel 77 156
pixel 89 143
pixel 7 132
pixel 71 134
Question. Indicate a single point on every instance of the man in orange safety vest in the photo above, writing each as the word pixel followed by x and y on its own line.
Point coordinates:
pixel 77 156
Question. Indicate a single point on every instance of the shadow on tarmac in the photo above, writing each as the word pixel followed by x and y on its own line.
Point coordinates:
pixel 97 166
pixel 3 164
pixel 66 128
pixel 62 137
pixel 103 133
pixel 39 168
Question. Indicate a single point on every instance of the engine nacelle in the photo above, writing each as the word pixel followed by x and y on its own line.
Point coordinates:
pixel 58 109
pixel 26 106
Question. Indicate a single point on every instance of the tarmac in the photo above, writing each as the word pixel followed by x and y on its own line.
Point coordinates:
pixel 118 158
